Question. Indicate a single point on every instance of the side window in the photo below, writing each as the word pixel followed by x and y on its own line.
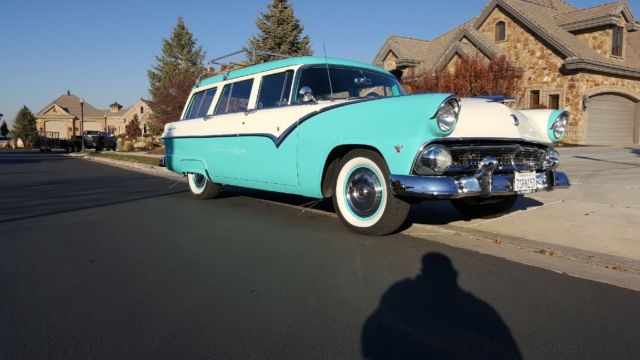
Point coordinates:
pixel 235 97
pixel 275 90
pixel 200 103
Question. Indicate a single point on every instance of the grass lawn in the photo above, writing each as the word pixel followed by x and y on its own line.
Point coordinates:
pixel 147 160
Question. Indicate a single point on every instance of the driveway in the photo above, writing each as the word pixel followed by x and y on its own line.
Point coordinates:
pixel 600 213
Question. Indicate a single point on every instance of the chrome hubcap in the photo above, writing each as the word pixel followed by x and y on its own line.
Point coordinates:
pixel 199 180
pixel 363 192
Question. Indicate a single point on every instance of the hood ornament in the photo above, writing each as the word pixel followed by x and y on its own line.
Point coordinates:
pixel 516 122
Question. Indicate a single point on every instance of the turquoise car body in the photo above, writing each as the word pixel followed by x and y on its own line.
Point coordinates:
pixel 294 161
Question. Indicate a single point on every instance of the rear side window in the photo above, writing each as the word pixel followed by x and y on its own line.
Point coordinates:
pixel 235 97
pixel 275 90
pixel 200 103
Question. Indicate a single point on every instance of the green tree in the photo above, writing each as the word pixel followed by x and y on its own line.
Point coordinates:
pixel 173 75
pixel 280 32
pixel 4 129
pixel 24 126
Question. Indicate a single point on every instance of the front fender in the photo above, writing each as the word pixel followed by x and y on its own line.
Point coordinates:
pixel 397 127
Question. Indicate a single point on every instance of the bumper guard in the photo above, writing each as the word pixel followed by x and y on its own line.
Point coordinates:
pixel 483 183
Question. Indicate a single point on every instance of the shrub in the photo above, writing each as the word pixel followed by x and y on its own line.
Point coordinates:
pixel 471 76
pixel 127 145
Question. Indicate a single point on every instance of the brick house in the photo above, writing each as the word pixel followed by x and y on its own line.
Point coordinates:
pixel 64 115
pixel 584 60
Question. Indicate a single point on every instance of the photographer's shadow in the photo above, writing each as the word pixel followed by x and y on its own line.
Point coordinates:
pixel 431 317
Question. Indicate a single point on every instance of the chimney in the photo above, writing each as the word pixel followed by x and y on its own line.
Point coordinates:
pixel 68 92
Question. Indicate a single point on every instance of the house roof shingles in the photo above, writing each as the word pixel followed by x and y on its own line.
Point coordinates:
pixel 545 18
pixel 71 104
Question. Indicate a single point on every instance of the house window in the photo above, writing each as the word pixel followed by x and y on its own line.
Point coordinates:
pixel 554 101
pixel 141 109
pixel 534 98
pixel 617 40
pixel 501 31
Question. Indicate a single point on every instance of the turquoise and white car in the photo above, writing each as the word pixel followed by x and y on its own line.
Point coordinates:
pixel 347 130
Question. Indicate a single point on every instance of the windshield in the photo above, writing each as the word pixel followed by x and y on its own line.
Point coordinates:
pixel 347 83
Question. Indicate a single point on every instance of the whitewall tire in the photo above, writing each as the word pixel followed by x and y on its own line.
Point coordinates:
pixel 202 188
pixel 362 197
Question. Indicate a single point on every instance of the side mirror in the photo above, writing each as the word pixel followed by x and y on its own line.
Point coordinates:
pixel 307 94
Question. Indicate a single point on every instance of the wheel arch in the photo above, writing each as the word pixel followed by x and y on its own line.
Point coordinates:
pixel 331 164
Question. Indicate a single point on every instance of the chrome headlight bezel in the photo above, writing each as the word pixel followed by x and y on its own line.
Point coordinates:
pixel 447 115
pixel 558 128
pixel 434 159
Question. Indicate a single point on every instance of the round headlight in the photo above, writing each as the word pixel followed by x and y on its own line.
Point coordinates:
pixel 560 126
pixel 434 160
pixel 447 115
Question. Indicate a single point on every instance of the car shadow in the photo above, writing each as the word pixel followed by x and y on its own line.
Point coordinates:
pixel 635 151
pixel 441 212
pixel 607 161
pixel 431 317
pixel 430 212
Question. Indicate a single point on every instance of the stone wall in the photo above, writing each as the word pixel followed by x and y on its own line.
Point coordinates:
pixel 542 72
pixel 599 39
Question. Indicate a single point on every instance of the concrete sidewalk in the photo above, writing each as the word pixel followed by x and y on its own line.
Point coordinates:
pixel 600 213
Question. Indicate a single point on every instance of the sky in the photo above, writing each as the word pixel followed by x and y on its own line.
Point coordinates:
pixel 101 50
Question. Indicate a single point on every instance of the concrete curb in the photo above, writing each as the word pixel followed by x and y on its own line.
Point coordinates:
pixel 147 169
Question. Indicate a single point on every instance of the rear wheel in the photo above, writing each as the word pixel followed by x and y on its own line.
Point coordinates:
pixel 202 188
pixel 481 207
pixel 362 197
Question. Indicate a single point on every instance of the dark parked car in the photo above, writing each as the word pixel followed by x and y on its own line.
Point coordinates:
pixel 99 140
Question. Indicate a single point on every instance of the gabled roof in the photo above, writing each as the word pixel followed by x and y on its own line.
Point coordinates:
pixel 71 105
pixel 576 53
pixel 134 107
pixel 425 53
pixel 552 21
pixel 404 48
pixel 601 15
pixel 468 40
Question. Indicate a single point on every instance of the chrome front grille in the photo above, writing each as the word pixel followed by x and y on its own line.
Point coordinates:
pixel 512 157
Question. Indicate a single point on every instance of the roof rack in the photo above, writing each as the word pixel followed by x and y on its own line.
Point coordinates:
pixel 225 68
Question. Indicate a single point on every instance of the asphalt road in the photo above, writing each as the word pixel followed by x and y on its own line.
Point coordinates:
pixel 98 262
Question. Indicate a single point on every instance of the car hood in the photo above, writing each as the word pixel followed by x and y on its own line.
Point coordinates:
pixel 483 118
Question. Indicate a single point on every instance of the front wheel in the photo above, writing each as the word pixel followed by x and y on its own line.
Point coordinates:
pixel 362 196
pixel 202 188
pixel 480 207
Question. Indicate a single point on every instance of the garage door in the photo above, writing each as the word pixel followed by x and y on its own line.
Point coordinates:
pixel 93 125
pixel 611 119
pixel 59 127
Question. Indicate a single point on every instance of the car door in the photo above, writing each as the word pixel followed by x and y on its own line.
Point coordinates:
pixel 211 138
pixel 267 140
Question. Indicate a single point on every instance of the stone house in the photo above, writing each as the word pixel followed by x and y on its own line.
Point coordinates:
pixel 584 60
pixel 64 116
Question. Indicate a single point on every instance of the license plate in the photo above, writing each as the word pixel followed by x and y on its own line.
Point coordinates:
pixel 525 182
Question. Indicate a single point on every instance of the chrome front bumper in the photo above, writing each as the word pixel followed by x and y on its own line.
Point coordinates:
pixel 481 184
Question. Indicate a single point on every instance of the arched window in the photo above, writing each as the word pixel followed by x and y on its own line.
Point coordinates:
pixel 501 31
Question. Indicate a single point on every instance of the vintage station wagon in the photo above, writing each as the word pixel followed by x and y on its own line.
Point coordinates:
pixel 333 128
